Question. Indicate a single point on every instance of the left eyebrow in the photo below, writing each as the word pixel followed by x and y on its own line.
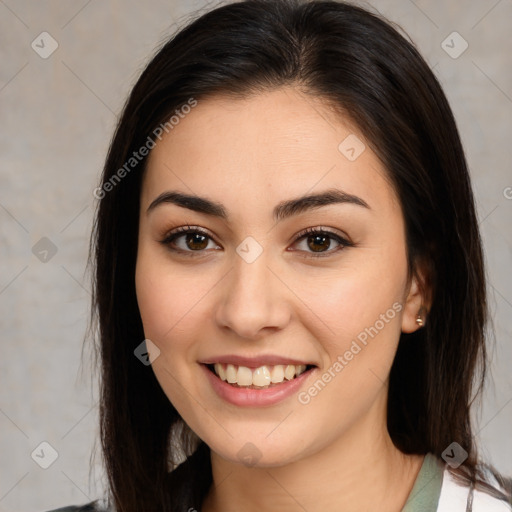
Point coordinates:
pixel 301 204
pixel 282 210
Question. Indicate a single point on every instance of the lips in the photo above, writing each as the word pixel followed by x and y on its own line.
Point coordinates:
pixel 258 381
pixel 256 396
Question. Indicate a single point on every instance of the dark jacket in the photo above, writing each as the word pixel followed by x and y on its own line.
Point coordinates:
pixel 92 506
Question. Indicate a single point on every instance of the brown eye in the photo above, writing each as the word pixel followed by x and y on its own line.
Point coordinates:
pixel 188 240
pixel 196 241
pixel 319 241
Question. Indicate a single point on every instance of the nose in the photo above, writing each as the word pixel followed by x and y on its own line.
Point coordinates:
pixel 253 302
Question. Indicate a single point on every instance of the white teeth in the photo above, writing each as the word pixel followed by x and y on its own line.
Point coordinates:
pixel 219 370
pixel 277 373
pixel 244 376
pixel 263 376
pixel 289 372
pixel 231 374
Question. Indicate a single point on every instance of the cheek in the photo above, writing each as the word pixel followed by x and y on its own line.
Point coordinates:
pixel 360 322
pixel 166 304
pixel 152 298
pixel 173 304
pixel 350 303
pixel 165 295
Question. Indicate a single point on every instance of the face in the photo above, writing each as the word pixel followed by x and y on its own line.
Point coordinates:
pixel 308 321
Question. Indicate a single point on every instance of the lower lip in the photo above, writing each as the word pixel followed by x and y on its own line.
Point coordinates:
pixel 255 397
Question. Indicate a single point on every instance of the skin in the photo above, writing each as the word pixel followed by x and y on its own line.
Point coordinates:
pixel 333 453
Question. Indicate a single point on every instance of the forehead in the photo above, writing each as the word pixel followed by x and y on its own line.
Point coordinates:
pixel 267 146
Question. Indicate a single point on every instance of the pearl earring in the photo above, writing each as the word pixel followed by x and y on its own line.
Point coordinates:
pixel 419 318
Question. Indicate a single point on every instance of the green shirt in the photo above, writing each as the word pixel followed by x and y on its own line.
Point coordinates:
pixel 424 496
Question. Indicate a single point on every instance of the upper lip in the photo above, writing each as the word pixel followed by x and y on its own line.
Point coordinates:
pixel 255 362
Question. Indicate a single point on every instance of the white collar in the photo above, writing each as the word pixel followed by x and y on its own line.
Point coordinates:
pixel 454 498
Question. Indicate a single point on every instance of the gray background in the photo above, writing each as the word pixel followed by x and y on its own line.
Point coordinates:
pixel 57 116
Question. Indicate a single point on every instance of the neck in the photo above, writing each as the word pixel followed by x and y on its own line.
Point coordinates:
pixel 358 471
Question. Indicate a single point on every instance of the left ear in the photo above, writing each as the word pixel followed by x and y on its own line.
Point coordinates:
pixel 417 303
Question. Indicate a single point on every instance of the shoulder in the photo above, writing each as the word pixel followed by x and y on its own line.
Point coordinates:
pixel 454 496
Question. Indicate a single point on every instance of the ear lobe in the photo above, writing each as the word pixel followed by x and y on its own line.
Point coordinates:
pixel 414 313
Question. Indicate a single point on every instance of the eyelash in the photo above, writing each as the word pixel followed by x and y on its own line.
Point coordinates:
pixel 185 230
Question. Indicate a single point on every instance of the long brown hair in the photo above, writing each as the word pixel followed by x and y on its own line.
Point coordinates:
pixel 359 65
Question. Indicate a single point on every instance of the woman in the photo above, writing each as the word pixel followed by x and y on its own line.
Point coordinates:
pixel 289 277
